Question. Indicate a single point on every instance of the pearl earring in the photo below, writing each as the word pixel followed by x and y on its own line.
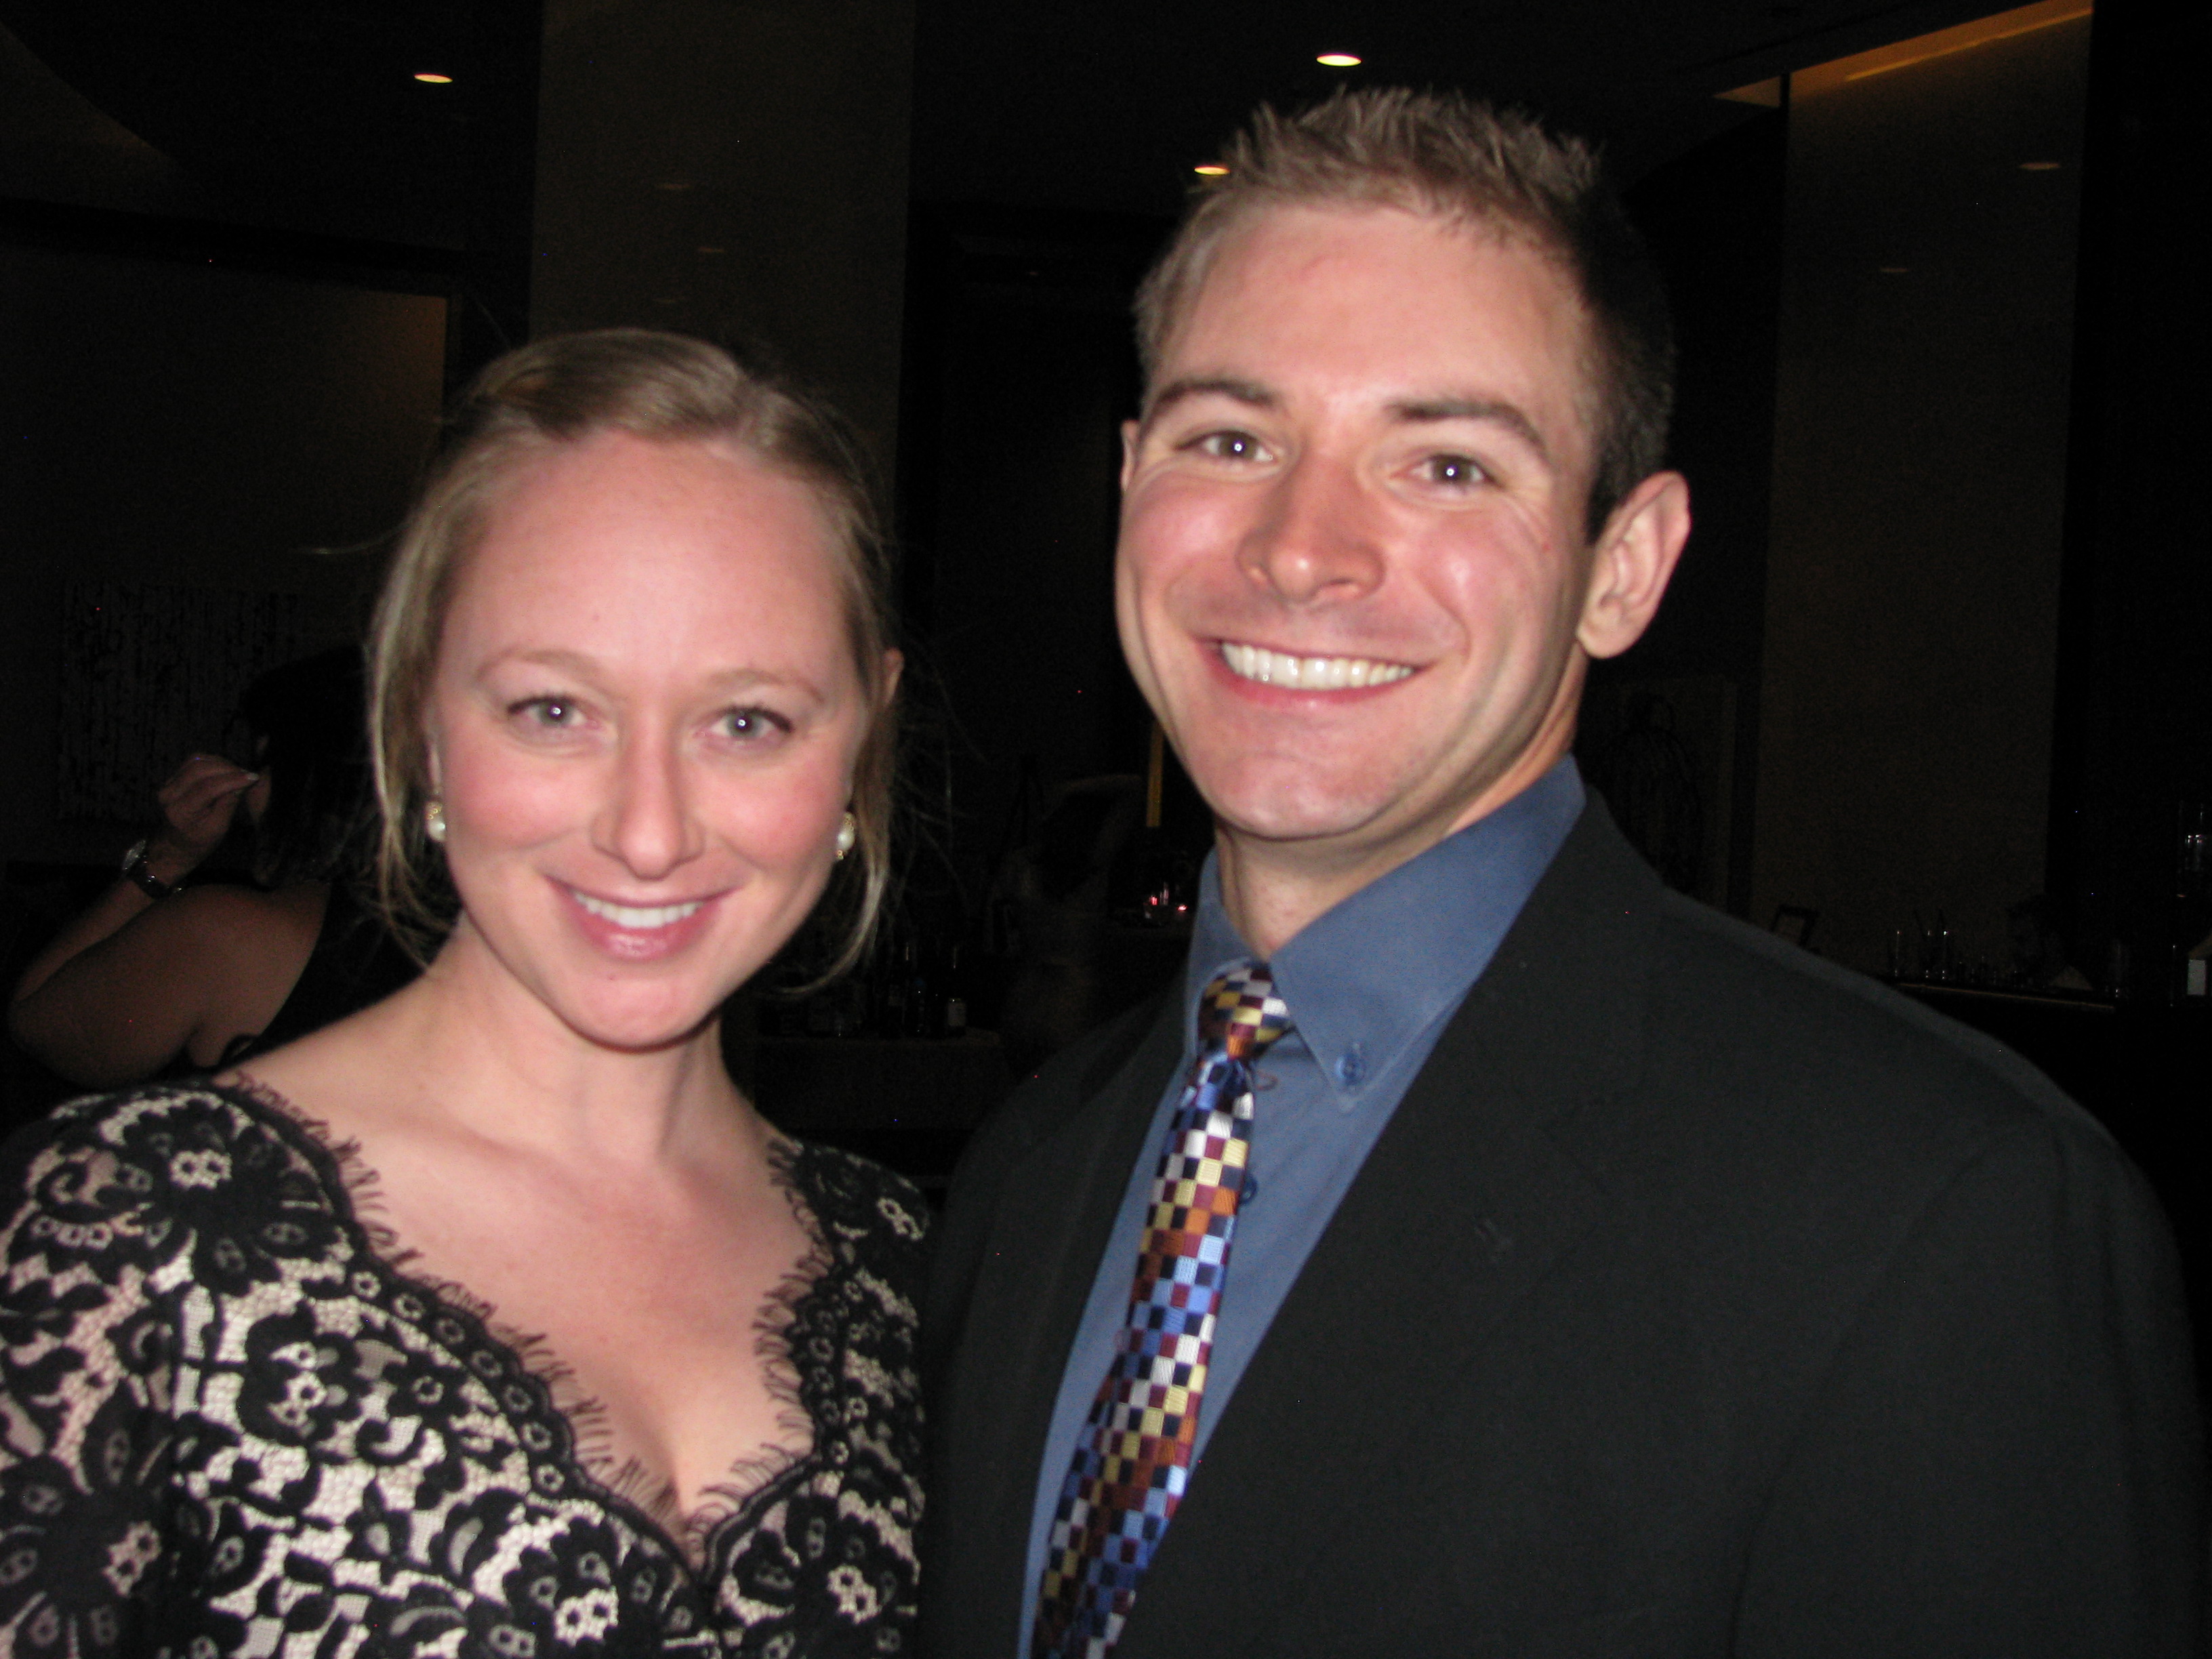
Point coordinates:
pixel 849 832
pixel 434 821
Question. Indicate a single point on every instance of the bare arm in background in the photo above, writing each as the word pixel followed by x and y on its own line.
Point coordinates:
pixel 133 982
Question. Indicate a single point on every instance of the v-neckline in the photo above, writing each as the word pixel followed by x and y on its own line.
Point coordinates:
pixel 353 1184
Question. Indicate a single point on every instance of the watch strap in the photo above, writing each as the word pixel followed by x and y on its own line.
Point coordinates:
pixel 136 873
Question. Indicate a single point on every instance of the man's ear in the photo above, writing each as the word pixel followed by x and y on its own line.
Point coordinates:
pixel 1630 568
pixel 1129 431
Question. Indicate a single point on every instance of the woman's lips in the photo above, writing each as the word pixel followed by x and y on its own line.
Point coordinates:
pixel 637 933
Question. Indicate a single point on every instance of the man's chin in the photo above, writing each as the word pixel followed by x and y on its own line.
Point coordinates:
pixel 1314 818
pixel 1367 824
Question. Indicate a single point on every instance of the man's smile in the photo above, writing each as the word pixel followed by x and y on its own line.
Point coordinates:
pixel 1256 662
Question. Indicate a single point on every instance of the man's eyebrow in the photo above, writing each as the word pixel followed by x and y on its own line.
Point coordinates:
pixel 1214 385
pixel 1476 409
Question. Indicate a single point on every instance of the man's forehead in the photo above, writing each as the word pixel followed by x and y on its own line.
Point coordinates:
pixel 1338 285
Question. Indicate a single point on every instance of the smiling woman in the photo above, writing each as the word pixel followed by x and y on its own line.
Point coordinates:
pixel 631 703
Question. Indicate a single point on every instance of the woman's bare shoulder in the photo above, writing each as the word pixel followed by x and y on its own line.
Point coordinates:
pixel 229 912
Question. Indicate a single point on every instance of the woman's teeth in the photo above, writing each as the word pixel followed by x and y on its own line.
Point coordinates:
pixel 1251 662
pixel 637 918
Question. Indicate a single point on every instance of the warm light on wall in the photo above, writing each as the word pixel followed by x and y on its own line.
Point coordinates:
pixel 1337 60
pixel 2067 15
pixel 1943 43
pixel 435 80
pixel 1212 169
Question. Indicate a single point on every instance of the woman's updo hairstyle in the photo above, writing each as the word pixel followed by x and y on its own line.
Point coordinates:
pixel 567 389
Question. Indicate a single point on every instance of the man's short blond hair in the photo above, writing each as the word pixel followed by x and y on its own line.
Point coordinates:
pixel 1457 157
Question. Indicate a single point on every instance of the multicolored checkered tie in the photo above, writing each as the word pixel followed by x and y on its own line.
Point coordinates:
pixel 1133 1459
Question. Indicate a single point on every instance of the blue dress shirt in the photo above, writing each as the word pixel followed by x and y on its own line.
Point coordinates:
pixel 1370 985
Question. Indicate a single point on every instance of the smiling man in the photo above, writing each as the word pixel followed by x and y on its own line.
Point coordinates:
pixel 1483 1249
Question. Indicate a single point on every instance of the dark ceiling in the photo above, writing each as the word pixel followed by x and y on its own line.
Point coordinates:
pixel 305 116
pixel 1110 106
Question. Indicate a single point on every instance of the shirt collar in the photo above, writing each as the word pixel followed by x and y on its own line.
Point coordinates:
pixel 1370 975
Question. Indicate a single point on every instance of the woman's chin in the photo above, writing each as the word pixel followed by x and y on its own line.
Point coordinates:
pixel 637 1031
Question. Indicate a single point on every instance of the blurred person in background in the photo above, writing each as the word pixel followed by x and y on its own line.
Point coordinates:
pixel 157 975
pixel 2040 960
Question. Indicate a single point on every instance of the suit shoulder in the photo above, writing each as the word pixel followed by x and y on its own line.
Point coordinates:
pixel 1740 997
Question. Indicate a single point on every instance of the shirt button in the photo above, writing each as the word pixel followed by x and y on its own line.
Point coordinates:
pixel 1351 1066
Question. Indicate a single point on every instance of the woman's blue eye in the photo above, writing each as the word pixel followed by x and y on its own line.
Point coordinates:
pixel 753 723
pixel 545 711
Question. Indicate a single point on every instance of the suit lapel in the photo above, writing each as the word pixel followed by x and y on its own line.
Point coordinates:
pixel 1462 1209
pixel 1052 1227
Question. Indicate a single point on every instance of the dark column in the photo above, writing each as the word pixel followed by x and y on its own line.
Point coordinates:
pixel 2133 727
pixel 736 171
pixel 490 307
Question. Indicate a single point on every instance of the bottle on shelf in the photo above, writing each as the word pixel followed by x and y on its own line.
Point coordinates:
pixel 917 1019
pixel 2189 931
pixel 953 1024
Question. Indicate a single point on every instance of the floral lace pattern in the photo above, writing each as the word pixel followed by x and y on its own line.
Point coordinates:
pixel 231 1424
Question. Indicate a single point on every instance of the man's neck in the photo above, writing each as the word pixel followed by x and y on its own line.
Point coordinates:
pixel 1272 888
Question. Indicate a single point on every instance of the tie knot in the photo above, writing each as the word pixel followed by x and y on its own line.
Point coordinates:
pixel 1239 1012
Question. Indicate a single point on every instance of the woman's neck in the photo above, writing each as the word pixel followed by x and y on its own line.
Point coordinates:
pixel 468 1048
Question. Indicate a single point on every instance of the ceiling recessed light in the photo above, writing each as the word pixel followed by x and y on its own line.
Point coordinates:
pixel 435 80
pixel 2040 167
pixel 1212 169
pixel 1339 60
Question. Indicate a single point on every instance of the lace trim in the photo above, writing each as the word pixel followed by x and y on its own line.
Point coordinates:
pixel 752 1481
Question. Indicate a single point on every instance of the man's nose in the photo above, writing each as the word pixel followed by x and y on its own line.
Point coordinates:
pixel 1317 540
pixel 646 820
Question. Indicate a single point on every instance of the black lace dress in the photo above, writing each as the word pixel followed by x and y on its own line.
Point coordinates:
pixel 231 1423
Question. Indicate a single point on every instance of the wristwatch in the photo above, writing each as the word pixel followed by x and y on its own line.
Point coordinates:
pixel 134 866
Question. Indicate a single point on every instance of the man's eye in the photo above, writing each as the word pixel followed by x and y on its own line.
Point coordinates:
pixel 1458 470
pixel 1232 446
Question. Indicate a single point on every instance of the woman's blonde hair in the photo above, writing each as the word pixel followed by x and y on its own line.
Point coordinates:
pixel 563 390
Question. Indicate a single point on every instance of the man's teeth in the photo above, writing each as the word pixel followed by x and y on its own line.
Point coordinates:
pixel 637 917
pixel 1309 673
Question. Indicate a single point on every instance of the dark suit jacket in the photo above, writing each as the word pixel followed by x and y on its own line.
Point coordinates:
pixel 1700 1299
